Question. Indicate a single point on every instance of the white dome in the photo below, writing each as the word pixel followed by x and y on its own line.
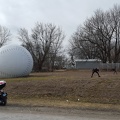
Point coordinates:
pixel 15 61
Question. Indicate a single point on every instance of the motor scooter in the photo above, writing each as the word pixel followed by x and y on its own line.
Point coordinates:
pixel 3 95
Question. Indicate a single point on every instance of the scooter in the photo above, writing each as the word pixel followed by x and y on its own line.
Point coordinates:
pixel 3 95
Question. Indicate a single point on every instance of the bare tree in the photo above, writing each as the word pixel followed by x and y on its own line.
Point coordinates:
pixel 99 32
pixel 115 15
pixel 4 35
pixel 99 37
pixel 81 47
pixel 44 43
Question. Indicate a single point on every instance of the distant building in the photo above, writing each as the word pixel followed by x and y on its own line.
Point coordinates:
pixel 87 63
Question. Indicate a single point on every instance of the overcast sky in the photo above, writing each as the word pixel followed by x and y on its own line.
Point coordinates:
pixel 67 14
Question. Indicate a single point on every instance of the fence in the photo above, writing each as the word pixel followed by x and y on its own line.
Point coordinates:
pixel 109 66
pixel 101 66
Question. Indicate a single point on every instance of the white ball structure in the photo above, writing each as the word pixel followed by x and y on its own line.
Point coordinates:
pixel 15 61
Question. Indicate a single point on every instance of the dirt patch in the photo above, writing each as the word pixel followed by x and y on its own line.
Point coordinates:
pixel 64 88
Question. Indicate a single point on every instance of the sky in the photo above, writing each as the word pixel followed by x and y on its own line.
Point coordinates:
pixel 67 14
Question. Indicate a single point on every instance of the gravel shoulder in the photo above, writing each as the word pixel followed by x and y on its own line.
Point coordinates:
pixel 78 113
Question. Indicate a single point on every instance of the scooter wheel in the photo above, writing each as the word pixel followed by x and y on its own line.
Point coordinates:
pixel 4 103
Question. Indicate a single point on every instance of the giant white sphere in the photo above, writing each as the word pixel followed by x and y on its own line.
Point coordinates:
pixel 15 61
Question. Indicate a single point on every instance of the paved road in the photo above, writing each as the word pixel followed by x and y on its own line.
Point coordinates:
pixel 47 113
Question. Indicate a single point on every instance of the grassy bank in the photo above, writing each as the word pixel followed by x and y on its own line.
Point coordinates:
pixel 65 89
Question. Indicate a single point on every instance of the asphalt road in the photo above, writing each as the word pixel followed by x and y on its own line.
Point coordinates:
pixel 48 113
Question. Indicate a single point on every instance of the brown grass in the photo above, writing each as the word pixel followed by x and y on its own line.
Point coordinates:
pixel 65 88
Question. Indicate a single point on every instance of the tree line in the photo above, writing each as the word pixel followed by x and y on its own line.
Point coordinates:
pixel 44 43
pixel 97 38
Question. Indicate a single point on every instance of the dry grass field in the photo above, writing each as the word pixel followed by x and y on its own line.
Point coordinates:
pixel 65 88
